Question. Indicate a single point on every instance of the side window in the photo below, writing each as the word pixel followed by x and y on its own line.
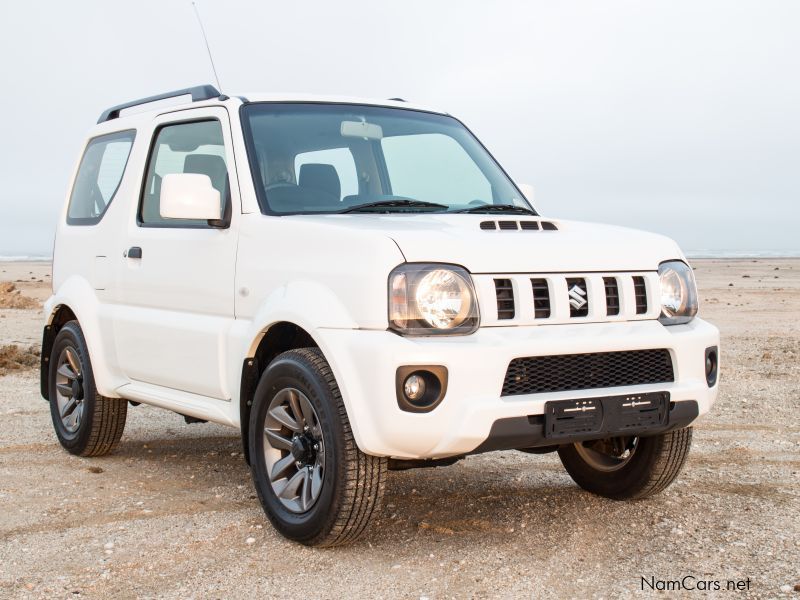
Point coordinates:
pixel 99 176
pixel 331 170
pixel 195 147
pixel 433 167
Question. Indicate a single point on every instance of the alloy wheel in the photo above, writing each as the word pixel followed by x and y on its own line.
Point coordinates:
pixel 294 450
pixel 69 389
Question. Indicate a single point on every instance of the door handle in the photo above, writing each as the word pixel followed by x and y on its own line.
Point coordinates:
pixel 134 252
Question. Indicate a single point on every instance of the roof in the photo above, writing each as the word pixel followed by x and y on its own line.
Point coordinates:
pixel 207 94
pixel 332 99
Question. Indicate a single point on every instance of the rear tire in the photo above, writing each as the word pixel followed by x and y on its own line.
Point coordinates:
pixel 86 423
pixel 651 467
pixel 315 485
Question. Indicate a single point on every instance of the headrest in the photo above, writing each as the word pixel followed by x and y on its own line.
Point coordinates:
pixel 320 177
pixel 208 164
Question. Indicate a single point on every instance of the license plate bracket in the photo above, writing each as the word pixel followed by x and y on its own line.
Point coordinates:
pixel 612 415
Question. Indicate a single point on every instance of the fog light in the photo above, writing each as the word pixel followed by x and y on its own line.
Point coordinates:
pixel 420 388
pixel 414 387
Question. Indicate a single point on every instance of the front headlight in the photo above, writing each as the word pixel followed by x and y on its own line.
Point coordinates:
pixel 678 292
pixel 428 299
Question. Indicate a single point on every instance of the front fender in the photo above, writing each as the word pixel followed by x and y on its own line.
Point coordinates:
pixel 307 304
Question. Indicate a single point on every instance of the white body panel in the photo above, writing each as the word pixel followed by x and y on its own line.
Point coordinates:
pixel 365 364
pixel 174 328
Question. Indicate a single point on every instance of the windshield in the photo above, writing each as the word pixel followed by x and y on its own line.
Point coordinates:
pixel 330 158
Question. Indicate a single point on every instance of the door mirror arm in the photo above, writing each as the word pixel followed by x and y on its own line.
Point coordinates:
pixel 225 221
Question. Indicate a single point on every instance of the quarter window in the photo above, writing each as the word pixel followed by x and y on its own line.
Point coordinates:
pixel 99 176
pixel 195 147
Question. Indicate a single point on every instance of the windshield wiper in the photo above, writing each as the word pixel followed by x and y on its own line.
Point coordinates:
pixel 498 208
pixel 370 206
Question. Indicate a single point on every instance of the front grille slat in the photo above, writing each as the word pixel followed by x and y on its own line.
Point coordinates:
pixel 612 296
pixel 640 293
pixel 541 298
pixel 561 373
pixel 504 291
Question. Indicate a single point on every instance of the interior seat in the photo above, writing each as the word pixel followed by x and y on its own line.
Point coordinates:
pixel 323 178
pixel 211 165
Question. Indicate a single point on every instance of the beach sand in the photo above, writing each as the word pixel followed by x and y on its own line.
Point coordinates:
pixel 173 512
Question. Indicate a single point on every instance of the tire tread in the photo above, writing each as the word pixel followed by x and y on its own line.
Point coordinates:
pixel 365 475
pixel 653 471
pixel 108 415
pixel 108 424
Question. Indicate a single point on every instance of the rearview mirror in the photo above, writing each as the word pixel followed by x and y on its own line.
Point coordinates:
pixel 361 129
pixel 189 196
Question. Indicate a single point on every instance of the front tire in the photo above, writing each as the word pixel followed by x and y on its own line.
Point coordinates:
pixel 315 485
pixel 627 468
pixel 86 423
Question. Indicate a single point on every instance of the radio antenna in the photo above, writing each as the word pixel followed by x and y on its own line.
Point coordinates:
pixel 205 39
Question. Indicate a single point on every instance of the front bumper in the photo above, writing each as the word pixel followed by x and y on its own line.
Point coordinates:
pixel 364 363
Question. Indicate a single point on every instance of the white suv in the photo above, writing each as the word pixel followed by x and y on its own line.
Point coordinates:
pixel 358 286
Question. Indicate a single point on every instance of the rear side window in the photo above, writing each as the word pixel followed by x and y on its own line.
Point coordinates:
pixel 194 147
pixel 99 176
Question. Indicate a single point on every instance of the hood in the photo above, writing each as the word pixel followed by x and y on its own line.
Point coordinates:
pixel 468 241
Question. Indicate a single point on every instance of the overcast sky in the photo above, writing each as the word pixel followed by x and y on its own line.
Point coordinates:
pixel 681 117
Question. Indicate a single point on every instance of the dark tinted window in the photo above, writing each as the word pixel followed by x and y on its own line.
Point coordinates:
pixel 99 176
pixel 195 147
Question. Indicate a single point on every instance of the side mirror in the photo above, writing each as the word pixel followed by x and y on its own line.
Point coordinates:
pixel 528 192
pixel 189 196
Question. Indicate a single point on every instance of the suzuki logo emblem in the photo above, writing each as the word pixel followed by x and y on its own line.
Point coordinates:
pixel 577 297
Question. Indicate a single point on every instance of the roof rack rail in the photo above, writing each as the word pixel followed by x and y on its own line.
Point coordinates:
pixel 199 92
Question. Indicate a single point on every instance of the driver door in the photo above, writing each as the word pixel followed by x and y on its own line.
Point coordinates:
pixel 175 277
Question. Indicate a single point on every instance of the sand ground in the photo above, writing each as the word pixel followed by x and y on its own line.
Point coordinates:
pixel 173 513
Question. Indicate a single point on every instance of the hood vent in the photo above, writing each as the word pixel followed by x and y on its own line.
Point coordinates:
pixel 517 225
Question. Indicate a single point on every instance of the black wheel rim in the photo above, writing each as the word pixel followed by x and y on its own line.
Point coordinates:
pixel 294 450
pixel 608 455
pixel 70 398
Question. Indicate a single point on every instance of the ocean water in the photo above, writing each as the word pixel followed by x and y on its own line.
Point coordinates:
pixel 25 258
pixel 742 253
